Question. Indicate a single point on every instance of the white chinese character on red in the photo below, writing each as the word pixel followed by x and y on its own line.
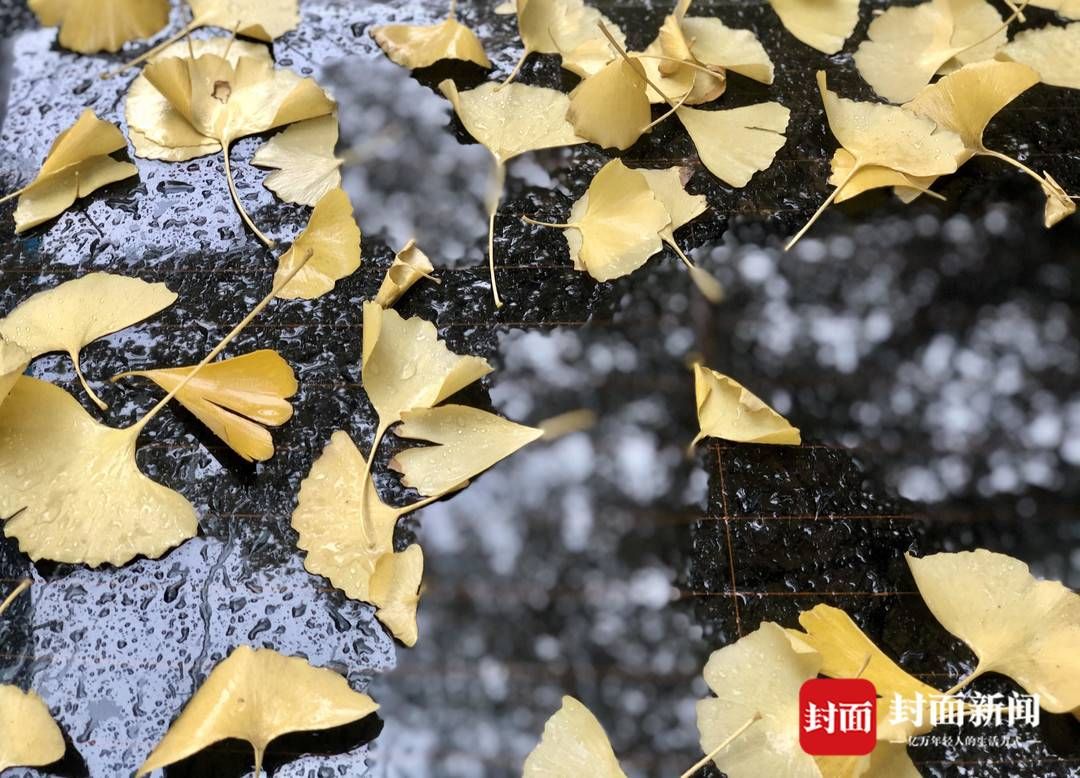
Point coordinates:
pixel 856 716
pixel 820 718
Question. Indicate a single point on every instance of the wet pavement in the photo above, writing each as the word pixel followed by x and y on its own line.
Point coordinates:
pixel 939 340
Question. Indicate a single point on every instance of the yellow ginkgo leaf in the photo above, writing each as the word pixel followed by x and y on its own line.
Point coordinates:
pixel 78 312
pixel 610 108
pixel 695 52
pixel 1017 625
pixel 330 244
pixel 822 24
pixel 29 736
pixel 751 727
pixel 566 27
pixel 908 45
pixel 1054 52
pixel 13 361
pixel 104 26
pixel 234 398
pixel 615 226
pixel 222 100
pixel 727 410
pixel 146 107
pixel 467 442
pixel 303 154
pixel 868 177
pixel 77 164
pixel 409 266
pixel 967 99
pixel 736 143
pixel 669 187
pixel 574 744
pixel 846 652
pixel 258 695
pixel 72 489
pixel 348 534
pixel 419 46
pixel 884 136
pixel 509 120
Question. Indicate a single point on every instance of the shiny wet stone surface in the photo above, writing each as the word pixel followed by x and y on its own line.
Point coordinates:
pixel 938 340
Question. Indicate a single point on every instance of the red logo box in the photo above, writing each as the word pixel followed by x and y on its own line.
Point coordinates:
pixel 837 716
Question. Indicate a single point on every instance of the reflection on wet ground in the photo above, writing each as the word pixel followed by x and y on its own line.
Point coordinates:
pixel 939 339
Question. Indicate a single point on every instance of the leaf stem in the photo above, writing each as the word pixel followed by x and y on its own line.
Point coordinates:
pixel 258 762
pixel 366 483
pixel 138 426
pixel 538 223
pixel 101 404
pixel 622 53
pixel 669 111
pixel 727 742
pixel 517 69
pixel 24 584
pixel 494 197
pixel 193 24
pixel 16 193
pixel 1014 162
pixel 1018 13
pixel 821 208
pixel 236 198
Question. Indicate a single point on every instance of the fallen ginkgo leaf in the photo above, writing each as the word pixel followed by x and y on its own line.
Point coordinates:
pixel 967 99
pixel 509 120
pixel 669 187
pixel 467 442
pixel 409 266
pixel 738 142
pixel 751 727
pixel 610 108
pixel 569 28
pixel 727 410
pixel 616 225
pixel 573 744
pixel 331 245
pixel 821 24
pixel 1017 625
pixel 303 155
pixel 88 29
pixel 258 695
pixel 884 136
pixel 353 546
pixel 420 46
pixel 29 736
pixel 220 101
pixel 78 312
pixel 78 163
pixel 1054 52
pixel 235 398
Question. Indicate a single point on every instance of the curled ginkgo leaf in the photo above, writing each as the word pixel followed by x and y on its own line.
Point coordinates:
pixel 467 442
pixel 822 24
pixel 258 695
pixel 409 266
pixel 216 100
pixel 565 27
pixel 419 46
pixel 70 487
pixel 234 398
pixel 907 46
pixel 669 187
pixel 692 54
pixel 751 727
pixel 884 136
pixel 509 120
pixel 738 142
pixel 262 20
pixel 727 410
pixel 615 226
pixel 303 154
pixel 1017 625
pixel 331 245
pixel 1054 52
pixel 967 99
pixel 77 164
pixel 29 736
pixel 573 744
pixel 77 312
pixel 13 361
pixel 348 534
pixel 104 26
